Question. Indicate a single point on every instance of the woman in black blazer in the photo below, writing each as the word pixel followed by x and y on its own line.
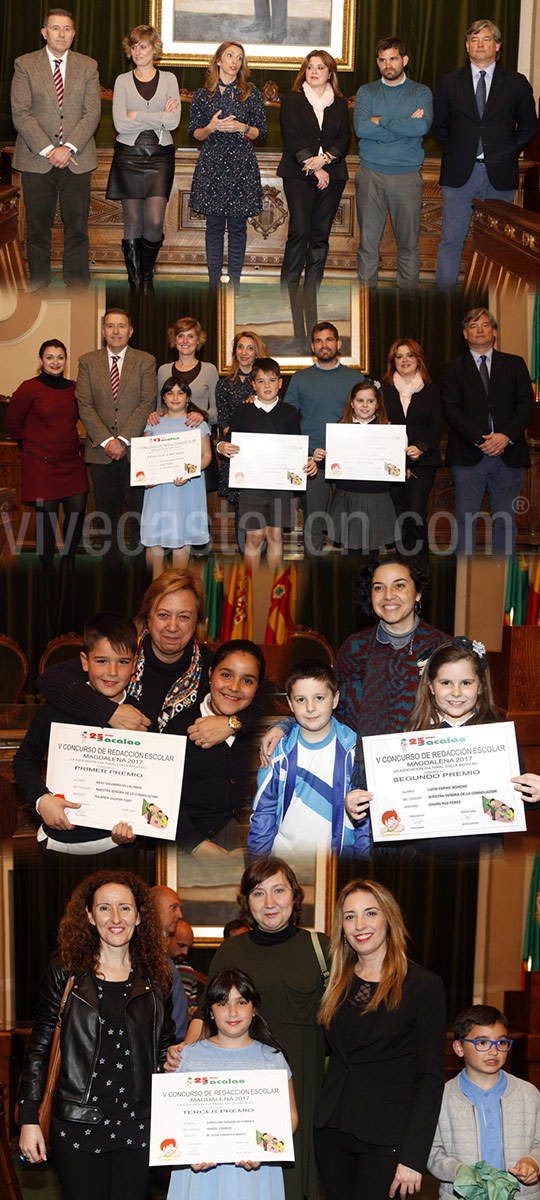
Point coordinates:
pixel 316 134
pixel 385 1020
pixel 411 399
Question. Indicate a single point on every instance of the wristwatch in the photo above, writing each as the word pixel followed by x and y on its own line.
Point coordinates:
pixel 235 724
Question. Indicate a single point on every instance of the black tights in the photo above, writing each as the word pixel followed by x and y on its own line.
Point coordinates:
pixel 46 519
pixel 144 218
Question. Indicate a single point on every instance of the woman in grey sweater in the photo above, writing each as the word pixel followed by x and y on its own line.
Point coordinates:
pixel 146 106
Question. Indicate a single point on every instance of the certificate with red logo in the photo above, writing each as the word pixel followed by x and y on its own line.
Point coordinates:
pixel 444 782
pixel 164 457
pixel 370 452
pixel 118 775
pixel 221 1117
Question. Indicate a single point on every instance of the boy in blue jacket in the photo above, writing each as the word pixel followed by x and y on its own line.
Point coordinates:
pixel 300 802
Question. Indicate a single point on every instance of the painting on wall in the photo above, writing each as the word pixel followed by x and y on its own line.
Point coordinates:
pixel 261 305
pixel 276 32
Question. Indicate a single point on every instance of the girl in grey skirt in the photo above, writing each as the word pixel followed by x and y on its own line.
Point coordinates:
pixel 361 511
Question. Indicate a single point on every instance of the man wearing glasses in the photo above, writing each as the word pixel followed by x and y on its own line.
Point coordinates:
pixel 487 1116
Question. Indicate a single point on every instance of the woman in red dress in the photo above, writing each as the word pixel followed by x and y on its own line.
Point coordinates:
pixel 42 417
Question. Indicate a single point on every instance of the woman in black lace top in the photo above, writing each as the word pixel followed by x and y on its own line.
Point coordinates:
pixel 385 1021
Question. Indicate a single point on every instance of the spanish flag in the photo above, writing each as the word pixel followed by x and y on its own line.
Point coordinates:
pixel 282 611
pixel 237 618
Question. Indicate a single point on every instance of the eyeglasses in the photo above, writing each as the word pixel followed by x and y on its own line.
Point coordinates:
pixel 485 1044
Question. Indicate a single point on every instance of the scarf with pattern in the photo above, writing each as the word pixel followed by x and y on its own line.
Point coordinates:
pixel 183 692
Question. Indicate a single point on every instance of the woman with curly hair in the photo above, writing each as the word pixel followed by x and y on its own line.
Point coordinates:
pixel 411 399
pixel 116 1028
pixel 385 1021
pixel 227 116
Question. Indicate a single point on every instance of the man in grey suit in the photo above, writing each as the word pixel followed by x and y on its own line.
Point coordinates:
pixel 55 107
pixel 116 391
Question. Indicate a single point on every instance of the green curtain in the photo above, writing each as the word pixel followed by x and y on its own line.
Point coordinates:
pixel 432 30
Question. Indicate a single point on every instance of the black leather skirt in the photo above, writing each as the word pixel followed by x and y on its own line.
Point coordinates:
pixel 143 170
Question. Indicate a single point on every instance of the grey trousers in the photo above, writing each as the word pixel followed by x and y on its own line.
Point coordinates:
pixel 400 197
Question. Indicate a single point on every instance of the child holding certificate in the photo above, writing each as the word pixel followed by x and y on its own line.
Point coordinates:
pixel 454 689
pixel 264 513
pixel 108 657
pixel 174 515
pixel 362 512
pixel 239 1040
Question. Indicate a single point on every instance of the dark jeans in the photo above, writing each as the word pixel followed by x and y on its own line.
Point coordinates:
pixel 40 195
pixel 504 488
pixel 353 1169
pixel 112 488
pixel 215 241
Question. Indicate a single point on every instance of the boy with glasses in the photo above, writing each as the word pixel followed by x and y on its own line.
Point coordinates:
pixel 486 1114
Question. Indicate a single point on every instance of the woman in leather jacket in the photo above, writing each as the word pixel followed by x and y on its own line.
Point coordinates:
pixel 116 1028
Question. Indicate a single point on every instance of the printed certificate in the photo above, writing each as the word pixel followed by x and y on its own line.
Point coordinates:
pixel 371 452
pixel 118 775
pixel 221 1117
pixel 444 782
pixel 164 457
pixel 273 461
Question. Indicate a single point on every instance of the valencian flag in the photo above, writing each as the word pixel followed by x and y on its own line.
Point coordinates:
pixel 213 590
pixel 517 590
pixel 531 945
pixel 533 603
pixel 237 618
pixel 282 611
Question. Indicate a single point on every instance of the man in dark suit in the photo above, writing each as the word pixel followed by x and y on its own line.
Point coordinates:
pixel 56 106
pixel 116 391
pixel 488 402
pixel 484 116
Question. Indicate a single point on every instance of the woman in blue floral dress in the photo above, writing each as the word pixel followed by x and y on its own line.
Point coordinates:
pixel 227 116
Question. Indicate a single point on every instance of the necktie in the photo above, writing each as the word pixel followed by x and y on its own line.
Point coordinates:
pixel 115 376
pixel 481 104
pixel 484 376
pixel 58 83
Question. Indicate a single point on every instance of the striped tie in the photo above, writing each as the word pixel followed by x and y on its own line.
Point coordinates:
pixel 58 83
pixel 115 376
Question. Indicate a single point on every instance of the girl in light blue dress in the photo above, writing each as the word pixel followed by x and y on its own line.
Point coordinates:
pixel 175 515
pixel 239 1040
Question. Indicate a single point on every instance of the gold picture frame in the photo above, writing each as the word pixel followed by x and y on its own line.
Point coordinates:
pixel 191 31
pixel 261 306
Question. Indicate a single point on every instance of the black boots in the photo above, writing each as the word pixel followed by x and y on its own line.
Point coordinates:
pixel 132 258
pixel 149 253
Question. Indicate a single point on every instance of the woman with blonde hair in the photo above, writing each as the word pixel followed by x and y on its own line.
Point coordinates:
pixel 186 336
pixel 227 116
pixel 146 107
pixel 236 388
pixel 412 399
pixel 385 1021
pixel 316 134
pixel 116 1027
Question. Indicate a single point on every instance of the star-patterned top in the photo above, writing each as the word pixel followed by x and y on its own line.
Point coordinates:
pixel 112 1083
